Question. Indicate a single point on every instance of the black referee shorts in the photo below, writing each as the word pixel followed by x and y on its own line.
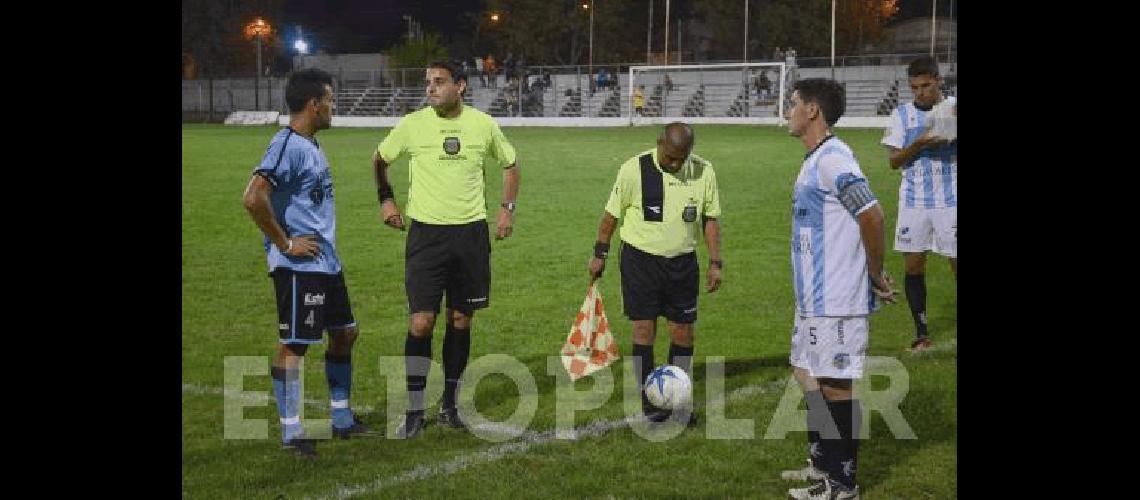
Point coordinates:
pixel 653 286
pixel 448 258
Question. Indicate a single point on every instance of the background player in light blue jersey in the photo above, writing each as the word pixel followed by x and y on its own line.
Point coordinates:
pixel 928 195
pixel 290 198
pixel 838 244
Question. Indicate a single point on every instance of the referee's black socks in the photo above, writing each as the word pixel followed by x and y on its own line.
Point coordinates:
pixel 644 354
pixel 456 351
pixel 681 357
pixel 417 362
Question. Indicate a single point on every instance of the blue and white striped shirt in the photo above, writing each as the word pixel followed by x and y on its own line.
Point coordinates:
pixel 930 178
pixel 829 263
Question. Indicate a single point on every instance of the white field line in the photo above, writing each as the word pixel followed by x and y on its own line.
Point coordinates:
pixel 528 440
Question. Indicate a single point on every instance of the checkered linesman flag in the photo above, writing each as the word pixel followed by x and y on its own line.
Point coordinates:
pixel 590 345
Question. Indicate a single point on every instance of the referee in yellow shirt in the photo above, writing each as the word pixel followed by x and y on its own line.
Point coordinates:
pixel 448 247
pixel 664 197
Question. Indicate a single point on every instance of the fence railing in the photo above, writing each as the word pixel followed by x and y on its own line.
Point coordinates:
pixel 541 90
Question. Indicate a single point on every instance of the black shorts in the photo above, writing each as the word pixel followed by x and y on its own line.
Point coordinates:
pixel 653 286
pixel 310 303
pixel 451 258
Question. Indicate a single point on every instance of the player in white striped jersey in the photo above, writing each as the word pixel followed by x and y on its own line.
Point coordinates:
pixel 928 195
pixel 838 243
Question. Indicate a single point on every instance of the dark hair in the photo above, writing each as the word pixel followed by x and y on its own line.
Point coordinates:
pixel 304 85
pixel 452 67
pixel 924 65
pixel 825 92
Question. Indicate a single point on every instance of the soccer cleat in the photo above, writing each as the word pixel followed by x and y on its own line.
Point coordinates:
pixel 920 344
pixel 303 447
pixel 809 473
pixel 824 489
pixel 414 424
pixel 450 418
pixel 358 428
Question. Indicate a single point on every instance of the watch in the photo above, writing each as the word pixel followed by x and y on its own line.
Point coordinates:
pixel 510 206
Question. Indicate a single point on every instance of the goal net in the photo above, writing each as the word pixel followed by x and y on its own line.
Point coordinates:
pixel 708 93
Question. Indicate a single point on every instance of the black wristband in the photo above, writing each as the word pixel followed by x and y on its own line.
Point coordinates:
pixel 716 262
pixel 385 193
pixel 601 250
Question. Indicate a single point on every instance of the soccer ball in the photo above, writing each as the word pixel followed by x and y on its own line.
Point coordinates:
pixel 669 387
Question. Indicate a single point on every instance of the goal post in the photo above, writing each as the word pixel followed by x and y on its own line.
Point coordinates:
pixel 748 93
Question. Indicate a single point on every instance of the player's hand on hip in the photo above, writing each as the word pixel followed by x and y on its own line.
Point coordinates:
pixel 883 288
pixel 505 224
pixel 390 214
pixel 597 267
pixel 303 246
pixel 713 282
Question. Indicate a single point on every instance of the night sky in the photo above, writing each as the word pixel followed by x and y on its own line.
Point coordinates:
pixel 345 26
pixel 372 25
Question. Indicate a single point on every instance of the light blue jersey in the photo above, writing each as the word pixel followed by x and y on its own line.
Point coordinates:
pixel 930 178
pixel 302 200
pixel 829 263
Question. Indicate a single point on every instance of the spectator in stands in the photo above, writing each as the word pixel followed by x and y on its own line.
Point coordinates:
pixel 763 87
pixel 639 100
pixel 509 66
pixel 777 54
pixel 489 69
pixel 479 70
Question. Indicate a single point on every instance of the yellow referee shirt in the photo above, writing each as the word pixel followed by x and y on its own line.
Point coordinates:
pixel 447 157
pixel 661 212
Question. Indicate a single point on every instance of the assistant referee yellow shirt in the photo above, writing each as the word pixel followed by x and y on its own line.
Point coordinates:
pixel 445 169
pixel 688 195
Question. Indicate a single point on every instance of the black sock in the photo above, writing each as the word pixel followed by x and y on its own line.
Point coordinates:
pixel 681 357
pixel 916 299
pixel 816 421
pixel 841 462
pixel 417 362
pixel 456 351
pixel 644 353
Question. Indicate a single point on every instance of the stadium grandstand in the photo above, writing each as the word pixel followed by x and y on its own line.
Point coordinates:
pixel 570 95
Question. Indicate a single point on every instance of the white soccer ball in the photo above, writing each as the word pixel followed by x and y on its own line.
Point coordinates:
pixel 669 387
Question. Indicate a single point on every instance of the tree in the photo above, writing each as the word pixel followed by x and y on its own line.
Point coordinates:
pixel 860 22
pixel 414 53
pixel 803 24
pixel 558 31
pixel 212 35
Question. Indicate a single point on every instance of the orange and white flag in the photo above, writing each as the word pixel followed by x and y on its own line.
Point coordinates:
pixel 590 345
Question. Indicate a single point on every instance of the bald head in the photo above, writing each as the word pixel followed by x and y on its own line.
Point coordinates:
pixel 678 135
pixel 674 145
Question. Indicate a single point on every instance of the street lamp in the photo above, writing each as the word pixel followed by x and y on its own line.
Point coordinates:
pixel 590 63
pixel 257 29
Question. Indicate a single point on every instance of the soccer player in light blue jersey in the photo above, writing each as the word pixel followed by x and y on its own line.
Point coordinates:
pixel 290 198
pixel 928 194
pixel 837 265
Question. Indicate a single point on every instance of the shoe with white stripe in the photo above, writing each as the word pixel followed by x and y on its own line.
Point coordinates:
pixel 809 473
pixel 825 489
